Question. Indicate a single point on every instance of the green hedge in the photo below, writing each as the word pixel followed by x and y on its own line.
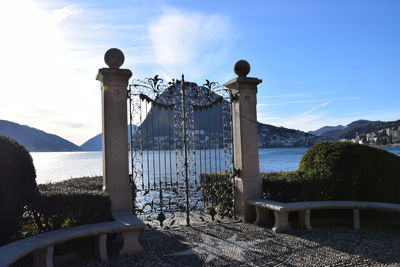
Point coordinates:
pixel 17 186
pixel 84 183
pixel 332 171
pixel 217 193
pixel 338 171
pixel 72 202
pixel 348 171
pixel 283 186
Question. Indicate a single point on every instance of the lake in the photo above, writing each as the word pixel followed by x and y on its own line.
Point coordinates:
pixel 59 166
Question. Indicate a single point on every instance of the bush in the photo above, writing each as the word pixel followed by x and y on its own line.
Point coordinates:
pixel 348 171
pixel 217 193
pixel 17 186
pixel 84 183
pixel 69 203
pixel 283 186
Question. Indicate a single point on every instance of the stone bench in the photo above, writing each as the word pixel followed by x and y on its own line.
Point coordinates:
pixel 281 211
pixel 42 245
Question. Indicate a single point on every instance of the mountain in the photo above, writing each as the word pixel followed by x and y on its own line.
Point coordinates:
pixel 272 136
pixel 370 127
pixel 366 132
pixel 95 143
pixel 338 133
pixel 35 140
pixel 323 130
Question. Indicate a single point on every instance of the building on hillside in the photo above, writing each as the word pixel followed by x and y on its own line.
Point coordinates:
pixel 371 138
pixel 396 136
pixel 389 131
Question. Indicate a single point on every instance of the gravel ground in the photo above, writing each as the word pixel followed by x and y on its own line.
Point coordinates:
pixel 242 244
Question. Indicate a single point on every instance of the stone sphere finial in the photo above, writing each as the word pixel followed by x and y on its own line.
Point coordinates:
pixel 114 58
pixel 242 68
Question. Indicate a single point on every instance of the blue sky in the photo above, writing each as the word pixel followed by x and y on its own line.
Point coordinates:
pixel 321 62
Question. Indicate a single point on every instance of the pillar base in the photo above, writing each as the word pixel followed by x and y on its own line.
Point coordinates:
pixel 247 188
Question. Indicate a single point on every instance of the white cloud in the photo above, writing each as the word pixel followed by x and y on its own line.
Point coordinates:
pixel 283 96
pixel 190 42
pixel 305 121
pixel 288 103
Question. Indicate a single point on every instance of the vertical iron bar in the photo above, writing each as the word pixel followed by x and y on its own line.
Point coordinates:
pixel 159 162
pixel 159 148
pixel 200 140
pixel 183 89
pixel 209 148
pixel 205 143
pixel 176 145
pixel 164 151
pixel 153 147
pixel 131 150
pixel 147 146
pixel 141 140
pixel 215 140
pixel 205 184
pixel 211 185
pixel 220 123
pixel 170 148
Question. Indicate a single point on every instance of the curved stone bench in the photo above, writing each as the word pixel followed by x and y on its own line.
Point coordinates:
pixel 281 211
pixel 42 245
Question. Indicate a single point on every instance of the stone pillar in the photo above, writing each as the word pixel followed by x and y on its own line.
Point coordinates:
pixel 115 130
pixel 248 183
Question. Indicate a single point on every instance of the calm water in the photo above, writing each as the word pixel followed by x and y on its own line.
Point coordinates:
pixel 58 166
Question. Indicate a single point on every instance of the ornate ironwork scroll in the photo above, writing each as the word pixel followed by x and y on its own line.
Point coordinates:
pixel 180 147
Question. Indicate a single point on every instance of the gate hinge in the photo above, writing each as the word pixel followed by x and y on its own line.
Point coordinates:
pixel 235 97
pixel 237 172
pixel 128 93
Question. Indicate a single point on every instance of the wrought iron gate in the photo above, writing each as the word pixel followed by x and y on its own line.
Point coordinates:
pixel 181 151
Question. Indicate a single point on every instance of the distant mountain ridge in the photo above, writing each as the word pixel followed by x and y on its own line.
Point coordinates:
pixel 339 133
pixel 93 144
pixel 365 131
pixel 323 130
pixel 370 126
pixel 35 140
pixel 268 136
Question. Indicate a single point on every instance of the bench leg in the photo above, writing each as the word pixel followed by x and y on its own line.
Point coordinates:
pixel 101 247
pixel 43 257
pixel 262 216
pixel 304 219
pixel 281 221
pixel 356 219
pixel 131 243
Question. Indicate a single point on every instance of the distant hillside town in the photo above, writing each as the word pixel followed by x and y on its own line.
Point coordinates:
pixel 271 136
pixel 387 136
pixel 375 133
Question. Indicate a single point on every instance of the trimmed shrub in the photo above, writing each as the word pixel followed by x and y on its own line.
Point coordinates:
pixel 348 171
pixel 84 183
pixel 17 186
pixel 69 203
pixel 217 193
pixel 283 186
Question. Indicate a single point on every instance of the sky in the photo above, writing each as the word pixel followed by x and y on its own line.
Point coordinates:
pixel 322 62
